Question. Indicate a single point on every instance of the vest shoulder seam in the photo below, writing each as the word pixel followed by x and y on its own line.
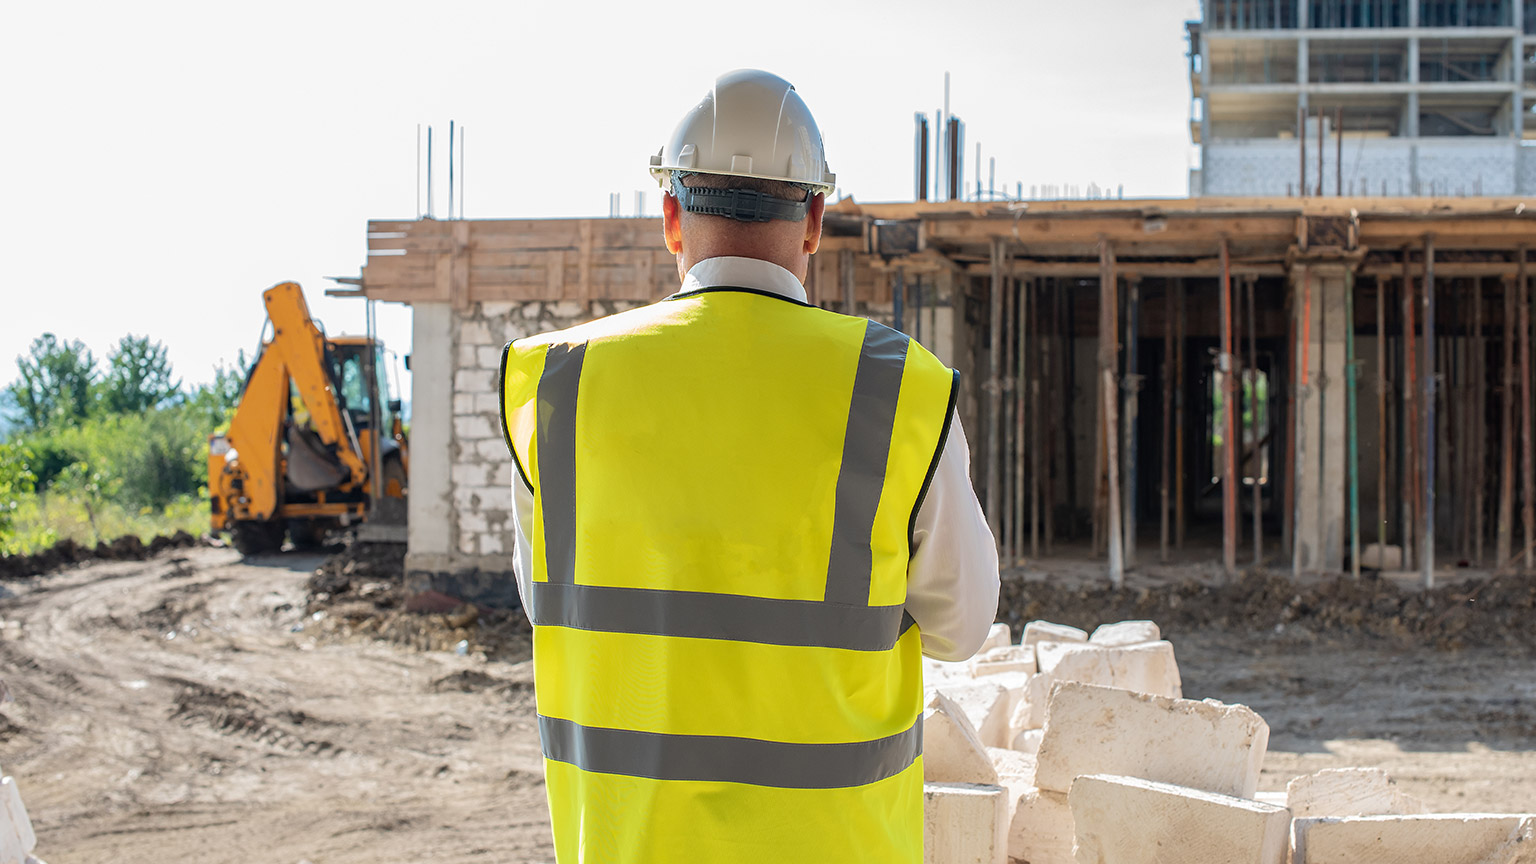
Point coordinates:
pixel 506 432
pixel 732 289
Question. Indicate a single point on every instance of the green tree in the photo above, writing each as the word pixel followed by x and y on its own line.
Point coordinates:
pixel 16 482
pixel 138 376
pixel 215 401
pixel 55 383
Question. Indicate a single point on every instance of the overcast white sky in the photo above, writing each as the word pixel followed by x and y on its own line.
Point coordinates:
pixel 163 162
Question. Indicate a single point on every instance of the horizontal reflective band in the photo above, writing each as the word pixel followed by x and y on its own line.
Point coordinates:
pixel 700 615
pixel 717 759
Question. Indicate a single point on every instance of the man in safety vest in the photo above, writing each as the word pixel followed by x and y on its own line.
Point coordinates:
pixel 741 520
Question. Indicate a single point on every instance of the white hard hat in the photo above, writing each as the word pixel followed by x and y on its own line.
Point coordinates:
pixel 752 124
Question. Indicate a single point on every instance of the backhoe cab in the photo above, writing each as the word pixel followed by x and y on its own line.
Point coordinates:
pixel 316 441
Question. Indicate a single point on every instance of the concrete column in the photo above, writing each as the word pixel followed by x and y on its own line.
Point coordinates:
pixel 430 507
pixel 1322 426
pixel 1205 101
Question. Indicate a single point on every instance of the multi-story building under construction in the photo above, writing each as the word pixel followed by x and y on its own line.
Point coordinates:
pixel 1363 97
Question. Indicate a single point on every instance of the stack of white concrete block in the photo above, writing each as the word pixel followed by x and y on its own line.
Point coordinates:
pixel 17 839
pixel 1070 748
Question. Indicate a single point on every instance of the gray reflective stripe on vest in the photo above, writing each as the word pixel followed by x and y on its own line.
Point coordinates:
pixel 556 418
pixel 700 615
pixel 719 759
pixel 866 449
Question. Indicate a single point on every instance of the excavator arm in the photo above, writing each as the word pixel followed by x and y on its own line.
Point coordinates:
pixel 294 353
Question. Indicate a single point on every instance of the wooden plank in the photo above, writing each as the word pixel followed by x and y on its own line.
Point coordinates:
pixel 584 264
pixel 554 273
pixel 458 290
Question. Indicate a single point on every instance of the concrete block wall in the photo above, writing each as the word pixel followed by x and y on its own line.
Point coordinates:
pixel 1401 166
pixel 1526 169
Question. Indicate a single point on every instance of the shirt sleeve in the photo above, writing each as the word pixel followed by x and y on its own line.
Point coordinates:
pixel 952 579
pixel 522 518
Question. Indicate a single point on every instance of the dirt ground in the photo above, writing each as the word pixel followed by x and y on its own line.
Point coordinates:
pixel 192 707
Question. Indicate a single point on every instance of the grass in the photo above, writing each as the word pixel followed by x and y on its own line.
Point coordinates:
pixel 44 519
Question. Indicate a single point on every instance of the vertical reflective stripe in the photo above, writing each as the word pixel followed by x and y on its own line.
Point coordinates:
pixel 556 417
pixel 866 449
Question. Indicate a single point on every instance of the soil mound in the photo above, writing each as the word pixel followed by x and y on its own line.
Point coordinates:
pixel 1493 612
pixel 360 592
pixel 67 552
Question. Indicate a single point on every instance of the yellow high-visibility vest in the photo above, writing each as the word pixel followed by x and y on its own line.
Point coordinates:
pixel 724 487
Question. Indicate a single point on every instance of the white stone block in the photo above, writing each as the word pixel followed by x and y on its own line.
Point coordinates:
pixel 1045 631
pixel 473 426
pixel 987 704
pixel 496 310
pixel 1100 730
pixel 16 813
pixel 951 751
pixel 1145 668
pixel 1276 798
pixel 1348 792
pixel 936 672
pixel 476 380
pixel 494 450
pixel 1009 658
pixel 532 309
pixel 1014 769
pixel 1123 633
pixel 464 356
pixel 1378 557
pixel 1040 828
pixel 1029 704
pixel 1462 838
pixel 568 309
pixel 493 544
pixel 464 403
pixel 1127 820
pixel 474 332
pixel 488 357
pixel 488 404
pixel 964 824
pixel 997 637
pixel 1028 741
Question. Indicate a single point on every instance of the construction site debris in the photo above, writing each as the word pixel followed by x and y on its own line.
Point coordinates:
pixel 1441 838
pixel 963 824
pixel 1122 634
pixel 1128 820
pixel 952 752
pixel 1045 631
pixel 1492 612
pixel 1101 730
pixel 17 839
pixel 360 593
pixel 1040 827
pixel 1339 792
pixel 66 552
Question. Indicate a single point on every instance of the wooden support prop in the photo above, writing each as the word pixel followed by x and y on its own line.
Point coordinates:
pixel 1167 442
pixel 1180 330
pixel 1255 411
pixel 846 272
pixel 1047 394
pixel 1230 444
pixel 1410 418
pixel 992 387
pixel 1501 545
pixel 1381 413
pixel 1303 393
pixel 1478 438
pixel 1353 420
pixel 1528 510
pixel 1288 470
pixel 1131 390
pixel 1427 556
pixel 1023 413
pixel 1109 428
pixel 1008 539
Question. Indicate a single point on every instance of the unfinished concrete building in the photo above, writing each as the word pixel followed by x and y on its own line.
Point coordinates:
pixel 1363 97
pixel 1238 382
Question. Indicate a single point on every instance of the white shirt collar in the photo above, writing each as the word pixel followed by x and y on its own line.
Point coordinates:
pixel 729 271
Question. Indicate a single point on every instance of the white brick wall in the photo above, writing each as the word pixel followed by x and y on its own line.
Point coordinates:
pixel 1373 166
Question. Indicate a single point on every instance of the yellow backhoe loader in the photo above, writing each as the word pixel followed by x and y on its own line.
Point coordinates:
pixel 316 442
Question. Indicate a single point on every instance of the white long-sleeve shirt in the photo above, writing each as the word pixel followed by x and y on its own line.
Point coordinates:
pixel 952 578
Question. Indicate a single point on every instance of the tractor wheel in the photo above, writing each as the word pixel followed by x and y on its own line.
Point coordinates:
pixel 308 534
pixel 257 538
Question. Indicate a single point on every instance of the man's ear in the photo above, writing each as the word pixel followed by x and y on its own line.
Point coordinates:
pixel 672 223
pixel 813 215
